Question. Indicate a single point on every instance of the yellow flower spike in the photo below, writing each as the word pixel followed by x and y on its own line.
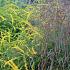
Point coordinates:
pixel 12 18
pixel 32 66
pixel 19 49
pixel 2 18
pixel 12 64
pixel 29 13
pixel 26 66
pixel 25 63
pixel 33 51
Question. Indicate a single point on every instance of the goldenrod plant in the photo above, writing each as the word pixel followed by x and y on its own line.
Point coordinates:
pixel 17 38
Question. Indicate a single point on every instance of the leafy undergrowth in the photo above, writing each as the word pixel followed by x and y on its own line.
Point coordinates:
pixel 17 38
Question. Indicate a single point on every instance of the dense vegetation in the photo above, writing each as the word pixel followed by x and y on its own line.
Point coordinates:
pixel 34 35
